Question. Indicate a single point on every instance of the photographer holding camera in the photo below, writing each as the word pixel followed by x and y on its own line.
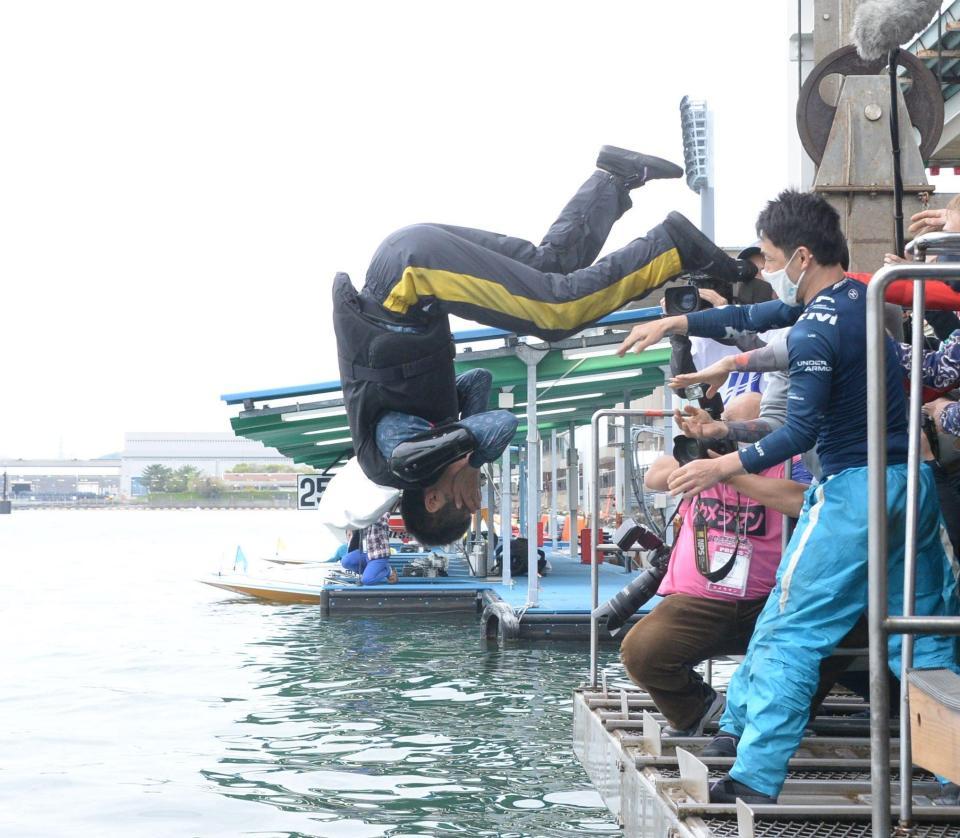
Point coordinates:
pixel 721 571
pixel 689 354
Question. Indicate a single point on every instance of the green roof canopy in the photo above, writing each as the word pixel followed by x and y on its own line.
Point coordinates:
pixel 314 431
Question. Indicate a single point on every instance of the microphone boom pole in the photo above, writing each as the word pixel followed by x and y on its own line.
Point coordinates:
pixel 900 243
pixel 879 27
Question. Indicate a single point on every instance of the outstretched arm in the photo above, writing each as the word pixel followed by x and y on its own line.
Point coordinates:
pixel 658 474
pixel 811 375
pixel 728 322
pixel 701 425
pixel 734 321
pixel 773 416
pixel 770 358
pixel 785 496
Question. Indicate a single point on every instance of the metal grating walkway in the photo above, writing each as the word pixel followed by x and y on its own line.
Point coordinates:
pixel 790 828
pixel 657 786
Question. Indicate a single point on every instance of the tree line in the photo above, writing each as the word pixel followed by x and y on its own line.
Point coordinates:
pixel 161 478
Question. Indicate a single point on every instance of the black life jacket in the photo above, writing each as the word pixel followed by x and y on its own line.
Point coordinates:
pixel 381 370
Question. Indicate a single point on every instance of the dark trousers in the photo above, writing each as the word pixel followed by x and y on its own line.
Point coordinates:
pixel 947 493
pixel 660 651
pixel 552 290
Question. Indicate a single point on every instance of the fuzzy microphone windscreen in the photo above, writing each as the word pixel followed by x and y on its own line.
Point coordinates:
pixel 882 25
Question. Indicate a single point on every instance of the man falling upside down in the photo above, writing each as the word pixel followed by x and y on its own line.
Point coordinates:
pixel 406 413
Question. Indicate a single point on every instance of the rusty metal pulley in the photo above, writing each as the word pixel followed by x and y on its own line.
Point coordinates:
pixel 923 99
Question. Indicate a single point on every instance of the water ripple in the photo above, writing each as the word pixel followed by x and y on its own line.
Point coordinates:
pixel 420 720
pixel 139 703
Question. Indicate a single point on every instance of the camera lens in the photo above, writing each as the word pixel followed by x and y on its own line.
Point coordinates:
pixel 623 605
pixel 688 301
pixel 686 449
pixel 681 300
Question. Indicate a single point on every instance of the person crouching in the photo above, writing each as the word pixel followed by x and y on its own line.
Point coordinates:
pixel 699 618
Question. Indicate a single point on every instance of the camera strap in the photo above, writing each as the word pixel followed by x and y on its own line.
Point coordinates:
pixel 700 545
pixel 701 548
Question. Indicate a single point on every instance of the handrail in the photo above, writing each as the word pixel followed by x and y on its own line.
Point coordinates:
pixel 595 519
pixel 880 623
pixel 931 243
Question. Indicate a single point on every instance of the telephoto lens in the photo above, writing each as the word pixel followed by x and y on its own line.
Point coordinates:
pixel 686 449
pixel 625 603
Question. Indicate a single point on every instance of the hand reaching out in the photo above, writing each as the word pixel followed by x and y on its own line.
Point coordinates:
pixel 927 221
pixel 715 375
pixel 699 424
pixel 646 334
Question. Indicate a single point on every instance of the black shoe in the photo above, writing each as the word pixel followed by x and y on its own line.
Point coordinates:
pixel 949 795
pixel 635 168
pixel 699 254
pixel 722 745
pixel 728 790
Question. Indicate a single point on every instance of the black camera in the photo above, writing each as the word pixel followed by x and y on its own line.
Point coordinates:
pixel 623 605
pixel 686 299
pixel 686 449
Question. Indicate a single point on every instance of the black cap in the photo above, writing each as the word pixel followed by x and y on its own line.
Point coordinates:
pixel 750 250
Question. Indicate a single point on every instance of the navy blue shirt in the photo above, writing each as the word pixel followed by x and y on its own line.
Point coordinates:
pixel 493 429
pixel 827 402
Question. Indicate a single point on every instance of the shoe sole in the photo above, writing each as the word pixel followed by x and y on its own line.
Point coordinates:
pixel 657 167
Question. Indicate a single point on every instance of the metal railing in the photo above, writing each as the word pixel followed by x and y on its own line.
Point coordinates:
pixel 881 625
pixel 595 519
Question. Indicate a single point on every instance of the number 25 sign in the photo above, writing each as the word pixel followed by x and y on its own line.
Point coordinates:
pixel 309 490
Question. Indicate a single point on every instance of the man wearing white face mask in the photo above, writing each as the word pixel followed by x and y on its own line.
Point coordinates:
pixel 821 588
pixel 771 361
pixel 770 347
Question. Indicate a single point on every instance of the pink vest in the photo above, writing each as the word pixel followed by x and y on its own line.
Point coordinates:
pixel 758 555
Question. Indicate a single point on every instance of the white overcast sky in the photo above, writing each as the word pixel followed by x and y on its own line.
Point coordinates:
pixel 180 181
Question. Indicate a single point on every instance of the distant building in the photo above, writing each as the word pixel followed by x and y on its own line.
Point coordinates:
pixel 261 480
pixel 212 454
pixel 61 480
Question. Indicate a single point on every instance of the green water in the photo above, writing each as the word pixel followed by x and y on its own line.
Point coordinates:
pixel 136 701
